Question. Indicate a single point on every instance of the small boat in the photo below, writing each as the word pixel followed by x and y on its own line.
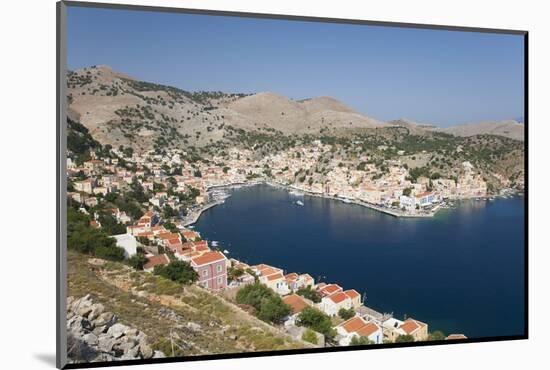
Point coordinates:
pixel 215 243
pixel 345 200
pixel 225 251
pixel 299 202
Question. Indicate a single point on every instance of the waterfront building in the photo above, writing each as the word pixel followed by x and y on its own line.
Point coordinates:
pixel 333 303
pixel 357 327
pixel 212 270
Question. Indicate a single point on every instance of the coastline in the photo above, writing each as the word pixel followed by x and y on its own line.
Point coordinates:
pixel 193 218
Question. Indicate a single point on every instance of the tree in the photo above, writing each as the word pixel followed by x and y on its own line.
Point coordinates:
pixel 437 335
pixel 346 314
pixel 171 227
pixel 360 341
pixel 310 336
pixel 178 271
pixel 137 261
pixel 407 192
pixel 316 320
pixel 267 304
pixel 406 338
pixel 273 309
pixel 310 294
pixel 234 273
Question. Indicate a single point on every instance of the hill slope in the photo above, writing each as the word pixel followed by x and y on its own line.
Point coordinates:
pixel 511 129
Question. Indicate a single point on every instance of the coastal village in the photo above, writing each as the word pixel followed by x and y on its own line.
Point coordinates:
pixel 178 191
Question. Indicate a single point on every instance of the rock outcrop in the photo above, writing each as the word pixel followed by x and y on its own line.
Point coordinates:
pixel 94 334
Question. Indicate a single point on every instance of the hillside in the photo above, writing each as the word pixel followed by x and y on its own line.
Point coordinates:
pixel 201 323
pixel 510 128
pixel 119 110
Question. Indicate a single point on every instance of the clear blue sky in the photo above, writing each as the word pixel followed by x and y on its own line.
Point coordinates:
pixel 431 76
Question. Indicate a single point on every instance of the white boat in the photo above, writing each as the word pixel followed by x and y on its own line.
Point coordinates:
pixel 299 202
pixel 225 251
pixel 215 243
pixel 345 200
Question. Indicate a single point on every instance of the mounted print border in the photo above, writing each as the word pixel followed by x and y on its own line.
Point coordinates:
pixel 207 270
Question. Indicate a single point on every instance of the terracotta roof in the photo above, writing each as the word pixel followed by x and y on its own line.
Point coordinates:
pixel 338 297
pixel 367 329
pixel 275 276
pixel 296 303
pixel 456 336
pixel 208 257
pixel 161 259
pixel 168 236
pixel 410 325
pixel 426 193
pixel 353 324
pixel 291 276
pixel 352 293
pixel 268 271
pixel 331 288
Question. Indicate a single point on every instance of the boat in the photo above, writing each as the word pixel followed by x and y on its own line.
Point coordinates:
pixel 215 243
pixel 346 200
pixel 299 202
pixel 225 251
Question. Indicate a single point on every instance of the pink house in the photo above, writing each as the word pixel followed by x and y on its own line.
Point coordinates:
pixel 211 267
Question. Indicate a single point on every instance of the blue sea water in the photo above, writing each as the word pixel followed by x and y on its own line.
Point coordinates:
pixel 461 271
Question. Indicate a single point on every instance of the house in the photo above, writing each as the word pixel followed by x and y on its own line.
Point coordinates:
pixel 425 198
pixel 85 186
pixel 357 327
pixel 333 303
pixel 277 282
pixel 149 219
pixel 126 242
pixel 391 329
pixel 212 270
pixel 297 304
pixel 417 329
pixel 326 290
pixel 161 259
pixel 456 337
pixel 191 235
pixel 354 296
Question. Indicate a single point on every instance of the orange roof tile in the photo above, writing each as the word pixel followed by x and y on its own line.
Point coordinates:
pixel 367 329
pixel 352 293
pixel 208 257
pixel 161 259
pixel 353 324
pixel 275 276
pixel 410 325
pixel 338 297
pixel 296 303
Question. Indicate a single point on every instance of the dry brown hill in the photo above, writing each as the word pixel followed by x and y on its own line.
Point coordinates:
pixel 508 128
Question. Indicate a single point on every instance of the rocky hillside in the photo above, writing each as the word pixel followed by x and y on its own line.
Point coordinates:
pixel 120 110
pixel 194 320
pixel 94 334
pixel 117 109
pixel 511 129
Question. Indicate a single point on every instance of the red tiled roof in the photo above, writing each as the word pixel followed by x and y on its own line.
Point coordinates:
pixel 161 259
pixel 208 257
pixel 337 297
pixel 296 303
pixel 456 336
pixel 275 276
pixel 353 324
pixel 410 325
pixel 331 288
pixel 352 293
pixel 367 329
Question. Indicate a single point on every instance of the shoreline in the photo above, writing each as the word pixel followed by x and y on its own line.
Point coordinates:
pixel 192 219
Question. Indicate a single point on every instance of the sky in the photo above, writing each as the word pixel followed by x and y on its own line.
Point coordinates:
pixel 428 76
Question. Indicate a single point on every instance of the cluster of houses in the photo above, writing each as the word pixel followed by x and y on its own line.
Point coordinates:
pixel 97 178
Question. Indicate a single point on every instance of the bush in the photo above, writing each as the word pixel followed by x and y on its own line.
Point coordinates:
pixel 316 320
pixel 268 305
pixel 178 271
pixel 437 335
pixel 360 341
pixel 346 314
pixel 404 338
pixel 137 261
pixel 310 294
pixel 310 336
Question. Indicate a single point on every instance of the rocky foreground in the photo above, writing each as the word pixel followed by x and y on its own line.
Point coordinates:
pixel 95 335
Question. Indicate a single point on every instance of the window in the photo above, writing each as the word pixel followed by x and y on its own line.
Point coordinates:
pixel 220 280
pixel 219 268
pixel 204 272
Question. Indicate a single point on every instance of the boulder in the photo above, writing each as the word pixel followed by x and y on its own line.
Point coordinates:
pixel 91 339
pixel 117 330
pixel 146 350
pixel 193 326
pixel 105 318
pixel 106 343
pixel 159 354
pixel 97 309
